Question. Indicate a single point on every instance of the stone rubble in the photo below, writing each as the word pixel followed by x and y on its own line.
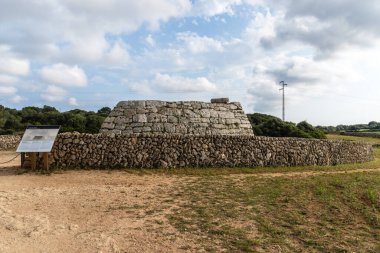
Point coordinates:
pixel 9 142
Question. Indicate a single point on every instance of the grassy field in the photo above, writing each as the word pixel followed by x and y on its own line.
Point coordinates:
pixel 278 210
pixel 353 138
pixel 375 132
pixel 369 131
pixel 325 213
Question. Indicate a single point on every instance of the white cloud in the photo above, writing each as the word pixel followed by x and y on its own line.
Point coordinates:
pixel 61 74
pixel 214 7
pixel 54 94
pixel 164 83
pixel 100 80
pixel 17 99
pixel 73 101
pixel 262 26
pixel 119 16
pixel 160 60
pixel 118 55
pixel 10 64
pixel 150 41
pixel 14 66
pixel 90 47
pixel 327 26
pixel 197 44
pixel 169 83
pixel 7 90
pixel 142 87
pixel 76 31
pixel 264 95
pixel 8 79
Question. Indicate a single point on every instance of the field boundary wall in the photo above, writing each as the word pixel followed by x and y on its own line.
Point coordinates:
pixel 74 150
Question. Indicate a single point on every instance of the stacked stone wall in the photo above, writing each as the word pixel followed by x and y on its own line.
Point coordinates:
pixel 9 142
pixel 190 117
pixel 171 151
pixel 359 134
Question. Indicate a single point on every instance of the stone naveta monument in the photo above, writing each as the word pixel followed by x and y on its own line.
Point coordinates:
pixel 182 117
pixel 159 134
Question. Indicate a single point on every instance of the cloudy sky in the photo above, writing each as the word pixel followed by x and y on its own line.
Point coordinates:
pixel 93 53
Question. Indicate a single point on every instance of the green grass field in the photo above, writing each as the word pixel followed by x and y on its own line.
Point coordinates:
pixel 353 138
pixel 324 213
pixel 369 131
pixel 317 209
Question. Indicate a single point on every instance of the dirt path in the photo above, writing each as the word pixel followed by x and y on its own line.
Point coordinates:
pixel 87 211
pixel 95 211
pixel 307 173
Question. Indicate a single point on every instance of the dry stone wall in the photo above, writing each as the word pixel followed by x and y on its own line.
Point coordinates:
pixel 170 151
pixel 9 142
pixel 359 134
pixel 191 117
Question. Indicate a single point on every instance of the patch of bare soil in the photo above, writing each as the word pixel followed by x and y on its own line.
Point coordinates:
pixel 87 211
pixel 299 174
pixel 9 162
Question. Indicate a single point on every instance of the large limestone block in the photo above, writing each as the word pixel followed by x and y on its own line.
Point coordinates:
pixel 220 100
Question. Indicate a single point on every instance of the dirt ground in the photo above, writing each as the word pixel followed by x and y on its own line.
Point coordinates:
pixel 87 211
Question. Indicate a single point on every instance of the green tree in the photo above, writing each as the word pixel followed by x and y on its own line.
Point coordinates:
pixel 268 125
pixel 13 124
pixel 310 130
pixel 74 122
pixel 93 123
pixel 373 125
pixel 104 111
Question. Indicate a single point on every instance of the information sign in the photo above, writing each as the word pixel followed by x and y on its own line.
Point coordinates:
pixel 38 139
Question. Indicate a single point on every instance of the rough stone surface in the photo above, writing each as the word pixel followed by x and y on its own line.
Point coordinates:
pixel 183 117
pixel 220 100
pixel 74 150
pixel 9 142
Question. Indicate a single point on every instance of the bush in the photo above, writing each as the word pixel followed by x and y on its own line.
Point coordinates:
pixel 267 125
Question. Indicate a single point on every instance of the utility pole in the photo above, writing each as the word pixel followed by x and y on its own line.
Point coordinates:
pixel 283 99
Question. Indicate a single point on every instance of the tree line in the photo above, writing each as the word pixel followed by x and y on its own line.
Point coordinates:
pixel 372 126
pixel 14 121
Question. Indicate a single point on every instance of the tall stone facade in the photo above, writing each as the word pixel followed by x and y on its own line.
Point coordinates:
pixel 182 117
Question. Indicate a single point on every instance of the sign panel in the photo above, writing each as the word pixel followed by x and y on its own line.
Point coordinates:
pixel 38 139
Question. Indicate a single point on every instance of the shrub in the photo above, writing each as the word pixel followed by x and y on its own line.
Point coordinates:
pixel 267 125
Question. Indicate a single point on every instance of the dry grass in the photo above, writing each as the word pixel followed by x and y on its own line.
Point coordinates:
pixel 326 213
pixel 304 211
pixel 353 138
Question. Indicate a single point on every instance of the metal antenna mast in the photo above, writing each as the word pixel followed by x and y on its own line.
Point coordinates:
pixel 283 99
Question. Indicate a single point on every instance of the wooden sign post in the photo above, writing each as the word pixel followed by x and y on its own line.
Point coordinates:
pixel 45 156
pixel 33 160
